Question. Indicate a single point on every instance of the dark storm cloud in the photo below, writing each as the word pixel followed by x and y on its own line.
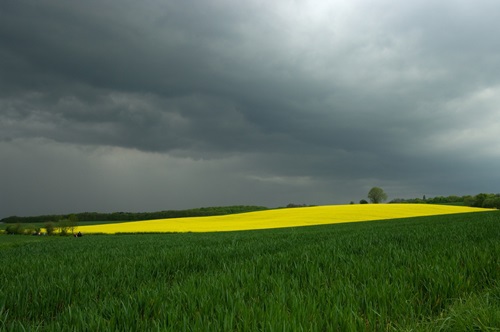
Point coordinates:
pixel 288 99
pixel 78 49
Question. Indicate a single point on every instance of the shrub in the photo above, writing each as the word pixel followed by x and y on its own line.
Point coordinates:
pixel 49 227
pixel 66 226
pixel 492 203
pixel 15 229
pixel 28 230
pixel 63 227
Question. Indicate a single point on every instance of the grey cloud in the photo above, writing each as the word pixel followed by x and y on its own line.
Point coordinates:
pixel 306 96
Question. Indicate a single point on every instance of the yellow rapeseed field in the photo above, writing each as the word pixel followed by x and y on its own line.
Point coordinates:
pixel 290 217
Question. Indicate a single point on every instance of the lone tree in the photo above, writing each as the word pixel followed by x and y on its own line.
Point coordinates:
pixel 377 195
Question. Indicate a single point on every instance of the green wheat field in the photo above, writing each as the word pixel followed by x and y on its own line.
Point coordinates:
pixel 437 273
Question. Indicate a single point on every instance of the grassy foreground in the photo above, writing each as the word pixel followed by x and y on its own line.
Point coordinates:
pixel 279 218
pixel 417 274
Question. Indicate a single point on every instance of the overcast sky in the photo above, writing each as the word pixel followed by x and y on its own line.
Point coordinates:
pixel 155 105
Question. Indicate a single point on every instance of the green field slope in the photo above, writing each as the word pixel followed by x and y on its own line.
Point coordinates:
pixel 438 273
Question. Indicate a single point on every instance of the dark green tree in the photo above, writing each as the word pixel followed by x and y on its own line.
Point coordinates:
pixel 377 195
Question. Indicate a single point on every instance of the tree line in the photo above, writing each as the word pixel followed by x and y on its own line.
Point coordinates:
pixel 483 200
pixel 134 216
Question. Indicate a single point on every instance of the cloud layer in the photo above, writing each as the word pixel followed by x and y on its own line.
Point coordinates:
pixel 134 106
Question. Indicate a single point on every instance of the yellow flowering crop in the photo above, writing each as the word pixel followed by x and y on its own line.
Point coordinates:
pixel 290 217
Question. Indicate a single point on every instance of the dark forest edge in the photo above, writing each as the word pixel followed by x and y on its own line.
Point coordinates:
pixel 135 216
pixel 481 200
